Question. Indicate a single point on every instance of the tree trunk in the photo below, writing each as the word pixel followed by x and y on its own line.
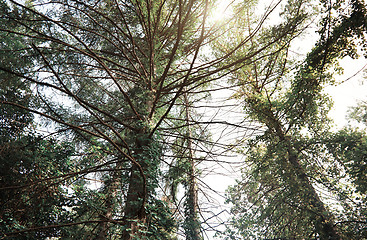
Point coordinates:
pixel 192 221
pixel 134 212
pixel 135 218
pixel 324 223
pixel 111 193
pixel 192 205
pixel 325 226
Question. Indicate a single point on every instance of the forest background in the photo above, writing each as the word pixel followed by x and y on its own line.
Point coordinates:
pixel 118 116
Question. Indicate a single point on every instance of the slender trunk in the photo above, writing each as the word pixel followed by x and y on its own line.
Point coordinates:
pixel 324 223
pixel 111 187
pixel 325 226
pixel 192 221
pixel 192 205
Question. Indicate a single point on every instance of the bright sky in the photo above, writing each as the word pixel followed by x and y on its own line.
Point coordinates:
pixel 347 94
pixel 221 10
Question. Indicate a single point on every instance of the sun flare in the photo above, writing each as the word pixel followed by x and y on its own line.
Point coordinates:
pixel 220 11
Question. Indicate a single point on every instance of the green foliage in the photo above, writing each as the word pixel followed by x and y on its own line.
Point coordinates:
pixel 12 119
pixel 112 79
pixel 30 172
pixel 349 148
pixel 277 196
pixel 161 224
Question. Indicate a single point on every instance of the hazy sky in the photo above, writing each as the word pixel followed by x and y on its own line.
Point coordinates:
pixel 351 91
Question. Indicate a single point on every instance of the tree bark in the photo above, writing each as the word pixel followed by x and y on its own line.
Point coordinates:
pixel 193 224
pixel 324 222
pixel 135 217
pixel 325 226
pixel 134 211
pixel 111 193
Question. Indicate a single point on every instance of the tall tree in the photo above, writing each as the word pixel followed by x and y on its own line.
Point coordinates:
pixel 120 66
pixel 286 164
pixel 184 167
pixel 108 76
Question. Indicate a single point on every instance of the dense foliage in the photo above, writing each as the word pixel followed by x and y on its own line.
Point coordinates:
pixel 299 177
pixel 104 120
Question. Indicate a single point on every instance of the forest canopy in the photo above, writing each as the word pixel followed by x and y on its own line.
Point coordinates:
pixel 120 118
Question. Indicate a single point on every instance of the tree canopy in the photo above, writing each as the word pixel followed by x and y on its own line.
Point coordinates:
pixel 109 131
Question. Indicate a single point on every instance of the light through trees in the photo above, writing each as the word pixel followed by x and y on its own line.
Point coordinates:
pixel 125 89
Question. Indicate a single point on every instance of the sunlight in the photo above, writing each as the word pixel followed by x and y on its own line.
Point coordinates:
pixel 220 11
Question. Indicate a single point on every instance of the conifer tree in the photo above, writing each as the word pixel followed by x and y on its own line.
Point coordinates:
pixel 291 160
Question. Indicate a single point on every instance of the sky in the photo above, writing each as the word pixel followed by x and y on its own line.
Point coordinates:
pixel 348 93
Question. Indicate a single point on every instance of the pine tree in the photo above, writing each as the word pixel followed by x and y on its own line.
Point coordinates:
pixel 278 196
